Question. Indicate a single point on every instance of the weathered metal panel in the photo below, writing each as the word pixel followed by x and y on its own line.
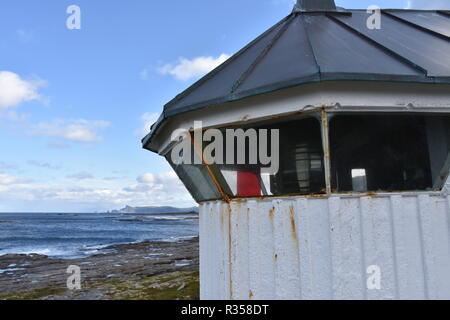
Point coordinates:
pixel 321 248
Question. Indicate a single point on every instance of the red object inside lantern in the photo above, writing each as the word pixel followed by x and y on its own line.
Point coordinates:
pixel 248 184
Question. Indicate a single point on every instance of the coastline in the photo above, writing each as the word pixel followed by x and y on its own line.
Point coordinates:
pixel 151 270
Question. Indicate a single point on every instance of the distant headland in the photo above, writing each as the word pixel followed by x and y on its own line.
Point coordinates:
pixel 155 210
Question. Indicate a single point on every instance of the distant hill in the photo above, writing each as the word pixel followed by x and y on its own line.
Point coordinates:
pixel 156 210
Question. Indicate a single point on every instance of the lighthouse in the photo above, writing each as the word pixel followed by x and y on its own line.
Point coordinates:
pixel 319 155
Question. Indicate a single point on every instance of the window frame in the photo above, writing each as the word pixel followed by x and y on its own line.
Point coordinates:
pixel 324 115
pixel 420 112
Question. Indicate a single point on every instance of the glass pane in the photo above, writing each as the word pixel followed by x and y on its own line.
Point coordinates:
pixel 389 152
pixel 197 180
pixel 300 162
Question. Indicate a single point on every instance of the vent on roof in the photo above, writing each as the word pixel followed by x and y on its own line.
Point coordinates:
pixel 315 5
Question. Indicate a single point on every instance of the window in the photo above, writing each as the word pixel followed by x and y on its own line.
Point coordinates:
pixel 369 153
pixel 389 152
pixel 299 162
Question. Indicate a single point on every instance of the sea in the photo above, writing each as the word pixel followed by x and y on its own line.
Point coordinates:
pixel 78 235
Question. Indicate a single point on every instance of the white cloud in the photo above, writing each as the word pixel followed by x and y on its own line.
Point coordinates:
pixel 428 4
pixel 6 179
pixel 166 186
pixel 138 188
pixel 14 90
pixel 161 181
pixel 186 69
pixel 146 178
pixel 157 190
pixel 148 120
pixel 75 130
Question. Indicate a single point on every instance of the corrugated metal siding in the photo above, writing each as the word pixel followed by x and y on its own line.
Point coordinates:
pixel 320 248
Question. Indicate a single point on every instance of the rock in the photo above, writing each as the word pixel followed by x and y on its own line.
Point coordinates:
pixel 146 270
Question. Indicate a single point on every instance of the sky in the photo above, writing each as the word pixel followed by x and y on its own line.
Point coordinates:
pixel 75 103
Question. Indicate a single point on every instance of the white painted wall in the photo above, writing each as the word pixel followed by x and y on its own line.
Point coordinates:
pixel 320 248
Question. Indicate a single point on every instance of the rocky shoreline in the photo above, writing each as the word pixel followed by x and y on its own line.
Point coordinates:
pixel 137 271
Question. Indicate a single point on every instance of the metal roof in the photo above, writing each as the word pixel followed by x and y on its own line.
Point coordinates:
pixel 326 45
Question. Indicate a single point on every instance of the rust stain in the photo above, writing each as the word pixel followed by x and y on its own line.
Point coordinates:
pixel 292 218
pixel 250 294
pixel 318 196
pixel 276 257
pixel 271 212
pixel 246 117
pixel 371 195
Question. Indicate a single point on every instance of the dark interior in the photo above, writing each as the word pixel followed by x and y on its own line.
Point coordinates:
pixel 397 152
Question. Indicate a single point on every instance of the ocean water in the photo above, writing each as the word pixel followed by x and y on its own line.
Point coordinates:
pixel 75 235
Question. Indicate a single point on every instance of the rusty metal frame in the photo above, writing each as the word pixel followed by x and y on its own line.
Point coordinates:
pixel 326 149
pixel 216 182
pixel 321 115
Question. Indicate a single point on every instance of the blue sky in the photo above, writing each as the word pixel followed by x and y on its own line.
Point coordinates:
pixel 74 104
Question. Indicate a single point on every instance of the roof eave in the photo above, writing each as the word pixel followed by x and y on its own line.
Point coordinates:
pixel 157 126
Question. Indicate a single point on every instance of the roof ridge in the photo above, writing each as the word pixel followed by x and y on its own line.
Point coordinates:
pixel 311 47
pixel 262 54
pixel 392 52
pixel 407 22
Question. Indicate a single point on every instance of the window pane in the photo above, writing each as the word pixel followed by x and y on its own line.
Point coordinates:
pixel 389 152
pixel 197 180
pixel 300 162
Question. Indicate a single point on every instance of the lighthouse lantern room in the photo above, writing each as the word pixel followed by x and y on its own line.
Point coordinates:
pixel 319 155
